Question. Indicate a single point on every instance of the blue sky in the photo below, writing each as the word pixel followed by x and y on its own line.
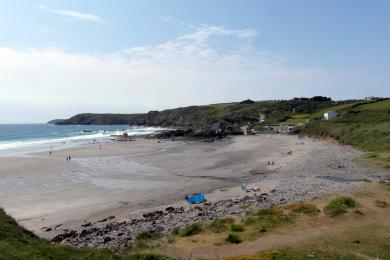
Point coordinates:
pixel 58 58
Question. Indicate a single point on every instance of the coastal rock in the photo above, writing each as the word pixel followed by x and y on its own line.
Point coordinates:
pixel 69 234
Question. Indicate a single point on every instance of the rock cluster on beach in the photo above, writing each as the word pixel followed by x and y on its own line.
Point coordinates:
pixel 202 135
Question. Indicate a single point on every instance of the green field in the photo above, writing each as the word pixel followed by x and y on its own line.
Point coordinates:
pixel 365 125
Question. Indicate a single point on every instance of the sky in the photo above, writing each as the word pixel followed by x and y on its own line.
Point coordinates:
pixel 60 58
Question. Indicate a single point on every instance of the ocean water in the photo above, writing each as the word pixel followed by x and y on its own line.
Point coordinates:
pixel 19 139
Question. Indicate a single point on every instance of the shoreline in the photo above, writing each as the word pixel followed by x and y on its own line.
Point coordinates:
pixel 184 167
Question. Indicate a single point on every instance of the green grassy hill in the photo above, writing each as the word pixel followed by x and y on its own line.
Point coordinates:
pixel 365 125
pixel 223 115
pixel 19 243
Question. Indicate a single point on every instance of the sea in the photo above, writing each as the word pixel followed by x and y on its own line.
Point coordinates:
pixel 23 139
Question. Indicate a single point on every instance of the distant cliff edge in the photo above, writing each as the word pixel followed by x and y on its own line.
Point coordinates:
pixel 55 121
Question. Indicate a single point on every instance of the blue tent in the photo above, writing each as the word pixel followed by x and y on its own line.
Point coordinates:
pixel 195 198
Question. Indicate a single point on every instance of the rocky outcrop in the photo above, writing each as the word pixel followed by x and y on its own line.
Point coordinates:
pixel 204 135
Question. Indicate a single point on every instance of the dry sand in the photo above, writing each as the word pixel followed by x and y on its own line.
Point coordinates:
pixel 124 178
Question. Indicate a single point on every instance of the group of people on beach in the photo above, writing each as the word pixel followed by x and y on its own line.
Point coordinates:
pixel 270 162
pixel 68 158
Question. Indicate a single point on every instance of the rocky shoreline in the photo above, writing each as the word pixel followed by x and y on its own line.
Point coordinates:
pixel 107 233
pixel 182 134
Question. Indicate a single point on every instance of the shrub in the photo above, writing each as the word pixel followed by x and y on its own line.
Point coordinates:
pixel 191 230
pixel 220 224
pixel 143 256
pixel 250 220
pixel 147 236
pixel 234 238
pixel 303 208
pixel 270 212
pixel 175 231
pixel 339 206
pixel 237 228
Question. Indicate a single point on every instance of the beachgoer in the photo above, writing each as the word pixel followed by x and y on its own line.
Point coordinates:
pixel 69 157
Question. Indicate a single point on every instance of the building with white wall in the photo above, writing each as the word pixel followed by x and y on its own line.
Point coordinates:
pixel 329 115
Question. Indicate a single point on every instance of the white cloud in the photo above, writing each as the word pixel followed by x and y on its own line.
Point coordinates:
pixel 204 32
pixel 73 14
pixel 184 71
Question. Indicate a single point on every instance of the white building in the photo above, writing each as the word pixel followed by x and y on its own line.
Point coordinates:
pixel 329 115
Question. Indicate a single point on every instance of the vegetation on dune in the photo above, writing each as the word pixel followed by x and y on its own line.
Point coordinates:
pixel 339 206
pixel 304 208
pixel 220 224
pixel 358 242
pixel 294 254
pixel 237 228
pixel 191 230
pixel 147 236
pixel 361 234
pixel 233 238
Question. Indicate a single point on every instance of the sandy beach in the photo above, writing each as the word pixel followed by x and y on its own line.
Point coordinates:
pixel 124 179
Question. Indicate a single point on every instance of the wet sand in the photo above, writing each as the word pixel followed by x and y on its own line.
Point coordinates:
pixel 123 178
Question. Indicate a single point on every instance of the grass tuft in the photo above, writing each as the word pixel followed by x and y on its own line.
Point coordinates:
pixel 304 208
pixel 339 206
pixel 381 204
pixel 147 236
pixel 220 225
pixel 237 228
pixel 233 238
pixel 191 230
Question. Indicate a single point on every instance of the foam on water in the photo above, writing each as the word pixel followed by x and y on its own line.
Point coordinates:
pixel 23 139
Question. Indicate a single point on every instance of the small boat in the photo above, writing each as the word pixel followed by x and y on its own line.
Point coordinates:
pixel 196 198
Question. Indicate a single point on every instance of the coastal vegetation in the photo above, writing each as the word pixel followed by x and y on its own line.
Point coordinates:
pixel 364 125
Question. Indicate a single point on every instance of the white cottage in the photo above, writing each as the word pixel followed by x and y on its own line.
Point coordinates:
pixel 329 115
